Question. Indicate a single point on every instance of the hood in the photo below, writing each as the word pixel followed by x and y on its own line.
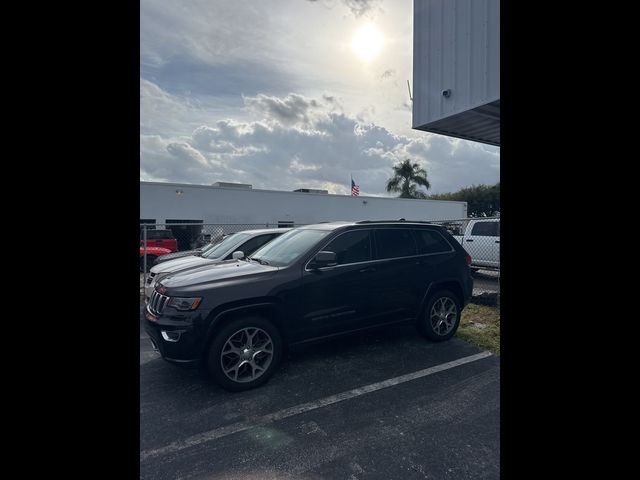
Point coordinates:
pixel 178 264
pixel 184 253
pixel 208 274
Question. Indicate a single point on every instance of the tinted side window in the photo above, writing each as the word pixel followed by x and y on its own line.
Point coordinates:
pixel 487 229
pixel 255 243
pixel 395 242
pixel 351 247
pixel 430 241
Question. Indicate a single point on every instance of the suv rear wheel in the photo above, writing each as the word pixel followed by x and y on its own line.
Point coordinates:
pixel 441 317
pixel 244 353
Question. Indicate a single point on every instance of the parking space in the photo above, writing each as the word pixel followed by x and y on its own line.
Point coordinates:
pixel 338 409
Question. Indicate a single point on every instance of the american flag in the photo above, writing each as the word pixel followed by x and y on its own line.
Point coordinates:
pixel 355 189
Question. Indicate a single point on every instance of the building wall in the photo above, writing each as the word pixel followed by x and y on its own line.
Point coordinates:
pixel 160 201
pixel 456 47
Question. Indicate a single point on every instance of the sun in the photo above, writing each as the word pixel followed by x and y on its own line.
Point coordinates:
pixel 367 42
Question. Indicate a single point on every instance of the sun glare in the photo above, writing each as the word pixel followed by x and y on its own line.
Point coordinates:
pixel 367 42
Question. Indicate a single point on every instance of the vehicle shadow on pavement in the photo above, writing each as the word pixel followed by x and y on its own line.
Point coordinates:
pixel 309 371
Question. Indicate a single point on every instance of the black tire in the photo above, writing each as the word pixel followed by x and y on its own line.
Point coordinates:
pixel 150 260
pixel 443 330
pixel 214 359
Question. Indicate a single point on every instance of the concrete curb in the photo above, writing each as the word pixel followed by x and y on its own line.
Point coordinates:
pixel 491 299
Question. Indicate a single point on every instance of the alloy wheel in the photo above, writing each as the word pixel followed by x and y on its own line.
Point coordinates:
pixel 443 315
pixel 246 354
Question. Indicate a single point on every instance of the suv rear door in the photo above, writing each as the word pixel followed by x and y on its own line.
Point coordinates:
pixel 435 258
pixel 397 286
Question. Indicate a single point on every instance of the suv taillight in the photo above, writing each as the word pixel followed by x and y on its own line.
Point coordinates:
pixel 467 259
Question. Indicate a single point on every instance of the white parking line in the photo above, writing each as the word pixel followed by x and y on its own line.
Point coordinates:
pixel 303 408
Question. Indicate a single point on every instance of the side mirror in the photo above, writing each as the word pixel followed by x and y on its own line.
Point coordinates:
pixel 324 259
pixel 238 255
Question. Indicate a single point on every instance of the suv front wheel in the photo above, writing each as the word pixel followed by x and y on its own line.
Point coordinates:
pixel 441 317
pixel 244 353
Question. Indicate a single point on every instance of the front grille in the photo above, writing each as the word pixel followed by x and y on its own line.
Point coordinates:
pixel 157 303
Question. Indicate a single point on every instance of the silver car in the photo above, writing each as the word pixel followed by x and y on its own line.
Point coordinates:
pixel 247 241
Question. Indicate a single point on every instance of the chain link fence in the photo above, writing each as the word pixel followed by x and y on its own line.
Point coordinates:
pixel 161 239
pixel 480 237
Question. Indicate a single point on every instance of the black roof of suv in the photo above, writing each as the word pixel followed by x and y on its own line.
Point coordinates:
pixel 311 282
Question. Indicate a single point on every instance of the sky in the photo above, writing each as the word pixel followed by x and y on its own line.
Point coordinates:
pixel 288 94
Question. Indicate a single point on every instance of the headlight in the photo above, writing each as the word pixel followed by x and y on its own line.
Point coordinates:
pixel 184 304
pixel 159 276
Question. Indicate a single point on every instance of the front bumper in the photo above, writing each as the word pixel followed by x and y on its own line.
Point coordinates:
pixel 178 338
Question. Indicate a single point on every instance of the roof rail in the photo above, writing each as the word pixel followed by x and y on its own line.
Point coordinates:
pixel 401 220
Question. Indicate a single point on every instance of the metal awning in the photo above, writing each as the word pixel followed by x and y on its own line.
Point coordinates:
pixel 481 124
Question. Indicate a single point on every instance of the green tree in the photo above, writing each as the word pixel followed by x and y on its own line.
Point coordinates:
pixel 482 200
pixel 406 179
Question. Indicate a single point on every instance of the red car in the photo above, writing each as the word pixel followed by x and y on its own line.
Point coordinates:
pixel 160 238
pixel 152 254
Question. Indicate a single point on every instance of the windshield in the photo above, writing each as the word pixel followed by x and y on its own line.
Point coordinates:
pixel 289 247
pixel 219 249
pixel 209 246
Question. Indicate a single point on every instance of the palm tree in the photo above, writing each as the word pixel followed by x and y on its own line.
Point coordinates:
pixel 407 176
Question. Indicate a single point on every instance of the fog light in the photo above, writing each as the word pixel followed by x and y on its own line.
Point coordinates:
pixel 170 336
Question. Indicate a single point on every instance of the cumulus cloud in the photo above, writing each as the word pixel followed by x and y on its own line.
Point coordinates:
pixel 216 101
pixel 290 110
pixel 296 142
pixel 186 154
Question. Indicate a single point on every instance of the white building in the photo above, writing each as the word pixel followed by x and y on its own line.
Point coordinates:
pixel 162 203
pixel 456 68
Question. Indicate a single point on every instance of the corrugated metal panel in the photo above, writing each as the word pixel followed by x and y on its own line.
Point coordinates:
pixel 481 124
pixel 456 48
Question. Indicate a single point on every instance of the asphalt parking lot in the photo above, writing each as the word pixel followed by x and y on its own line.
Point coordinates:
pixel 340 409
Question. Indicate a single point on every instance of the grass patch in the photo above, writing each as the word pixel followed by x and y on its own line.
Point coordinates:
pixel 480 325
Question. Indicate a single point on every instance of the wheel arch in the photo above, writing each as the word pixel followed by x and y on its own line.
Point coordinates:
pixel 450 284
pixel 270 309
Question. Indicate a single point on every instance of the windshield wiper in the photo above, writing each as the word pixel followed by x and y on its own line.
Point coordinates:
pixel 260 261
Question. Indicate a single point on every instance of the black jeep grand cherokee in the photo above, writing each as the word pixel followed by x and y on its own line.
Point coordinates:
pixel 311 282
